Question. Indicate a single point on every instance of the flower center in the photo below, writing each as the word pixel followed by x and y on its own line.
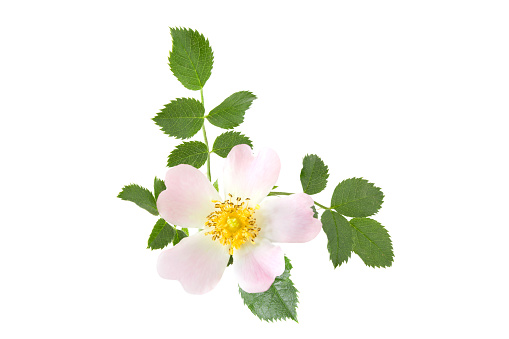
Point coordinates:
pixel 232 223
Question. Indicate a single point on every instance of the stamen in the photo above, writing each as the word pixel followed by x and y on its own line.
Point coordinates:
pixel 232 223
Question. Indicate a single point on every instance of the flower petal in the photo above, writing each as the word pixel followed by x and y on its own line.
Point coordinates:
pixel 256 266
pixel 197 262
pixel 247 176
pixel 288 219
pixel 187 200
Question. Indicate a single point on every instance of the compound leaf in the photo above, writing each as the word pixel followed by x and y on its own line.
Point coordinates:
pixel 193 153
pixel 140 196
pixel 314 174
pixel 339 237
pixel 181 118
pixel 162 235
pixel 356 197
pixel 371 242
pixel 230 113
pixel 226 141
pixel 191 58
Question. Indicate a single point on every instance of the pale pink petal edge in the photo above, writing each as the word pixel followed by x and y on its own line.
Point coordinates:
pixel 187 200
pixel 288 219
pixel 256 266
pixel 197 262
pixel 249 176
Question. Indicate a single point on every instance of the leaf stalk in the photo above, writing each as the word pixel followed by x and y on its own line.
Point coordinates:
pixel 209 176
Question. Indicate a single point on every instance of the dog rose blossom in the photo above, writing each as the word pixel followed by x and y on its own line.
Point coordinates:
pixel 245 224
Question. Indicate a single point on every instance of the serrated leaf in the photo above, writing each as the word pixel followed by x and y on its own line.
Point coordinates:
pixel 140 196
pixel 371 242
pixel 339 237
pixel 179 235
pixel 314 174
pixel 315 212
pixel 162 235
pixel 181 118
pixel 191 58
pixel 356 197
pixel 193 153
pixel 226 141
pixel 278 302
pixel 159 186
pixel 230 113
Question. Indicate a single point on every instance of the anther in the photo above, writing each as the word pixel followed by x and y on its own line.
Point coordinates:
pixel 232 223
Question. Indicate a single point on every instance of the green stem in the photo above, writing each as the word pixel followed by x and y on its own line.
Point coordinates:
pixel 279 193
pixel 322 206
pixel 286 193
pixel 205 139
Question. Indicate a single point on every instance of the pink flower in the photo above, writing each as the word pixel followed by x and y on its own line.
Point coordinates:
pixel 242 225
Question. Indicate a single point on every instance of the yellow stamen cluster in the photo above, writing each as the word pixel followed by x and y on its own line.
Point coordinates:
pixel 232 223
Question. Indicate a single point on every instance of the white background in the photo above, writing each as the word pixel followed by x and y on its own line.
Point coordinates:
pixel 411 95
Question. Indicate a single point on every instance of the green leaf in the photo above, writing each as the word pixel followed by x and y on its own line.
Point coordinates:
pixel 162 235
pixel 216 185
pixel 278 302
pixel 191 58
pixel 226 141
pixel 315 212
pixel 230 261
pixel 339 237
pixel 372 242
pixel 140 196
pixel 356 197
pixel 193 153
pixel 179 235
pixel 159 186
pixel 314 174
pixel 230 113
pixel 181 118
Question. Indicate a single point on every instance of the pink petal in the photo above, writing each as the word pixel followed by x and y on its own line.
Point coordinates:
pixel 247 176
pixel 198 262
pixel 288 219
pixel 256 266
pixel 187 200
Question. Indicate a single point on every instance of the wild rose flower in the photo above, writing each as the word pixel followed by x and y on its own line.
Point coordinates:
pixel 242 225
